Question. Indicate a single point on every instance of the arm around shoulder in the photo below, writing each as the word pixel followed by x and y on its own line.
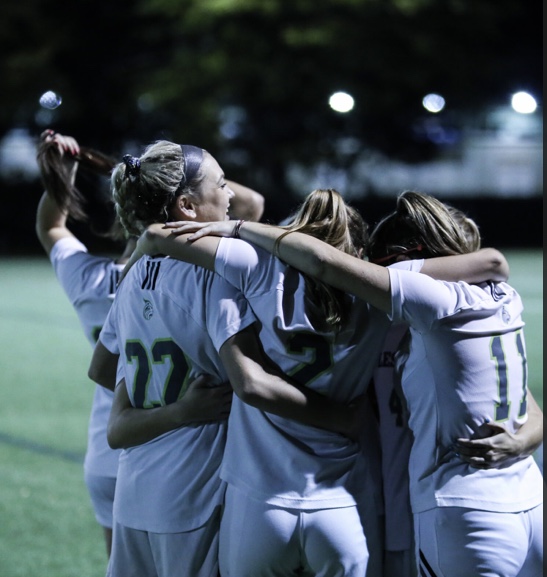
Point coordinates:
pixel 486 264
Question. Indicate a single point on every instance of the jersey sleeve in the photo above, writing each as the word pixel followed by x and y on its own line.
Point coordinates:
pixel 422 301
pixel 231 314
pixel 75 268
pixel 415 265
pixel 108 334
pixel 240 263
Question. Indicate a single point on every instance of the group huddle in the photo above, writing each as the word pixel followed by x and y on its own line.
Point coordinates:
pixel 301 400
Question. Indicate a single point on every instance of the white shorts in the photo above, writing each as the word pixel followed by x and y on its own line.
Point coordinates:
pixel 101 490
pixel 261 540
pixel 459 542
pixel 142 554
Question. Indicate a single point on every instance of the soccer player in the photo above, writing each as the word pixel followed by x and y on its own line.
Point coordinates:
pixel 90 282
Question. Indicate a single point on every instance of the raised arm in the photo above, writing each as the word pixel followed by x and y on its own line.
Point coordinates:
pixel 259 382
pixel 247 203
pixel 129 426
pixel 51 218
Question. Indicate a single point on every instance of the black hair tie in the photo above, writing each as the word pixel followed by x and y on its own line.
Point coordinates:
pixel 132 165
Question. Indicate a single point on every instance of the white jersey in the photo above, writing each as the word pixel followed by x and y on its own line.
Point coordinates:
pixel 467 364
pixel 396 442
pixel 280 461
pixel 167 322
pixel 90 283
pixel 395 435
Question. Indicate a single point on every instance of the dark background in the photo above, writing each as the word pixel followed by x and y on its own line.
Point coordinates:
pixel 131 72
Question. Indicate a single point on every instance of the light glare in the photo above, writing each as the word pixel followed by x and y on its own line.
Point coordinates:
pixel 50 100
pixel 523 102
pixel 341 102
pixel 433 103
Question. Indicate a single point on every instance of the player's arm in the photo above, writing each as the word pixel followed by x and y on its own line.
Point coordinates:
pixel 304 252
pixel 257 381
pixel 129 426
pixel 495 445
pixel 247 204
pixel 51 217
pixel 486 264
pixel 158 238
pixel 103 366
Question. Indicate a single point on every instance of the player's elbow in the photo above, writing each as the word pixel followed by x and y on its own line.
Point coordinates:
pixel 247 390
pixel 113 437
pixel 99 378
pixel 498 265
pixel 257 207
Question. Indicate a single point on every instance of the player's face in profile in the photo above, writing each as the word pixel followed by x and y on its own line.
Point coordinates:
pixel 215 194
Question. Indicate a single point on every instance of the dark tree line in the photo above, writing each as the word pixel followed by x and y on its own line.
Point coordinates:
pixel 138 70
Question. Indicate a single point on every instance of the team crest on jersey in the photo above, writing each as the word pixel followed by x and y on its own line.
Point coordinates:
pixel 148 310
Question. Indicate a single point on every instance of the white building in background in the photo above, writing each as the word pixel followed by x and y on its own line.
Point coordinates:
pixel 504 158
pixel 18 156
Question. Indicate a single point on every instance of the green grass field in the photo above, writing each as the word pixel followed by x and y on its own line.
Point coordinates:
pixel 48 528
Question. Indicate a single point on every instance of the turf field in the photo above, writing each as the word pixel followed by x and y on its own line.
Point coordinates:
pixel 47 526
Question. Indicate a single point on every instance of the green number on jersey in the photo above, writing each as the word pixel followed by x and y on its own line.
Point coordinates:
pixel 162 351
pixel 321 352
pixel 498 354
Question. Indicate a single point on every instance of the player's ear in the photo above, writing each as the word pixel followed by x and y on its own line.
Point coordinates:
pixel 185 208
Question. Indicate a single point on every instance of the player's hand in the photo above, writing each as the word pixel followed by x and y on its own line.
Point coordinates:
pixel 65 144
pixel 490 447
pixel 204 401
pixel 221 228
pixel 145 245
pixel 68 149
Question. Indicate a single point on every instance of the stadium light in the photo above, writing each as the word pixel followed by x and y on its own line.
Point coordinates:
pixel 341 102
pixel 433 103
pixel 523 103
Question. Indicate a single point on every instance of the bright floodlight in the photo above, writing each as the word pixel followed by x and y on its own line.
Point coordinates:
pixel 433 103
pixel 523 102
pixel 341 102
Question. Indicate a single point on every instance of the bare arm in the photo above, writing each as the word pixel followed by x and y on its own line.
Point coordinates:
pixel 50 217
pixel 260 383
pixel 495 446
pixel 487 264
pixel 50 223
pixel 103 367
pixel 129 426
pixel 246 203
pixel 159 240
pixel 305 253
